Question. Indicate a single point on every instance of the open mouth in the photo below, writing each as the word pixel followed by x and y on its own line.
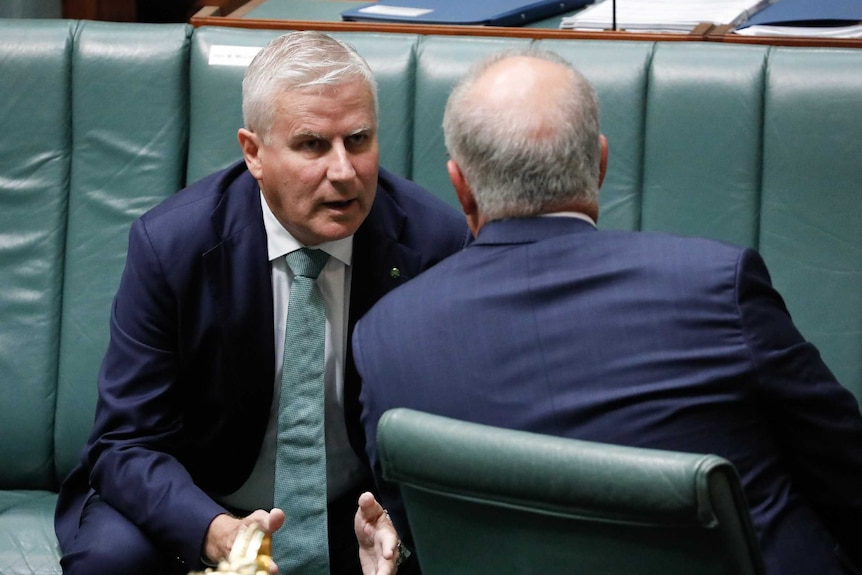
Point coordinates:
pixel 340 205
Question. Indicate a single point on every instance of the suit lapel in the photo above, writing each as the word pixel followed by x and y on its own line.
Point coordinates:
pixel 237 271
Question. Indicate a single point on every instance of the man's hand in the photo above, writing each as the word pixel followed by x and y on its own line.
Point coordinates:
pixel 224 529
pixel 378 540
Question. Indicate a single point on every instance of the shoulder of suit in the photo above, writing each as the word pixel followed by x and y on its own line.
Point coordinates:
pixel 209 189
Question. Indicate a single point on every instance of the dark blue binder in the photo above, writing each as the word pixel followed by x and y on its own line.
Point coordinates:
pixel 474 12
pixel 807 13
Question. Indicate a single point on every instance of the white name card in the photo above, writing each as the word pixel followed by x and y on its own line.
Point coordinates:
pixel 221 55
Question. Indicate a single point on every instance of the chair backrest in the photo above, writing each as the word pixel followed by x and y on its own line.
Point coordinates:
pixel 485 500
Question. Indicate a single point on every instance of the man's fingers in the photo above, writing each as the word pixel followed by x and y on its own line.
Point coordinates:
pixel 369 505
pixel 276 520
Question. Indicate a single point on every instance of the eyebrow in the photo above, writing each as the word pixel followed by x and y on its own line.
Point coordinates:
pixel 318 136
pixel 362 130
pixel 302 134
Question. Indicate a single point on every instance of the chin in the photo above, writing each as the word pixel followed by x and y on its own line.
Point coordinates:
pixel 336 232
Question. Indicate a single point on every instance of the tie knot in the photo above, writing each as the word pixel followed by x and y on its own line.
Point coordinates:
pixel 307 262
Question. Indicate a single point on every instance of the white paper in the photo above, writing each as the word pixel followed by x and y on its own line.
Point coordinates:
pixel 222 55
pixel 660 15
pixel 854 31
pixel 396 11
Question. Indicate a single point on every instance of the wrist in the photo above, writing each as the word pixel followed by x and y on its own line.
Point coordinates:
pixel 219 538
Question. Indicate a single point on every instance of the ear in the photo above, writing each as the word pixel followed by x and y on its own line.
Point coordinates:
pixel 465 196
pixel 250 144
pixel 603 164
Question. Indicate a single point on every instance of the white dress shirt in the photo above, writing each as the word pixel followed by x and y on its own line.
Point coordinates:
pixel 343 468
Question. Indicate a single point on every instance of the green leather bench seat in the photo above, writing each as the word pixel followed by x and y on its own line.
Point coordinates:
pixel 756 145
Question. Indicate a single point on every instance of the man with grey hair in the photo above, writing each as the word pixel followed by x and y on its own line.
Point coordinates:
pixel 183 453
pixel 546 324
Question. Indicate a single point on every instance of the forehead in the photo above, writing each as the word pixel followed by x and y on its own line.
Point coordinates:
pixel 348 106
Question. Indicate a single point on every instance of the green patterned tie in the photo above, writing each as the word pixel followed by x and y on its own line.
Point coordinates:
pixel 301 546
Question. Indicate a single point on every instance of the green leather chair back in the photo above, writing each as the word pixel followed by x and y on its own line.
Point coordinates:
pixel 702 159
pixel 34 99
pixel 31 9
pixel 129 110
pixel 811 198
pixel 483 500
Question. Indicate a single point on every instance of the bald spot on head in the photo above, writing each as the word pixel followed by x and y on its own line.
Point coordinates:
pixel 523 90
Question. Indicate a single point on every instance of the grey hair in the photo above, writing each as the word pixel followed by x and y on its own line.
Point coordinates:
pixel 513 170
pixel 298 60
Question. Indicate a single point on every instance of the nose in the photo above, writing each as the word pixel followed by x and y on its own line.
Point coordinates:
pixel 340 164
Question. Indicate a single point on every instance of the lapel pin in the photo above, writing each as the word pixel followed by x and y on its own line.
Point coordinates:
pixel 395 273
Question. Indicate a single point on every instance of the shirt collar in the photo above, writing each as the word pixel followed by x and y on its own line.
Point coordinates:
pixel 279 242
pixel 579 215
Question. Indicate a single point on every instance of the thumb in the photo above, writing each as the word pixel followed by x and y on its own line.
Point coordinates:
pixel 276 520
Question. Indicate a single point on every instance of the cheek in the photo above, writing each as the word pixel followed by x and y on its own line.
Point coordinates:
pixel 292 181
pixel 281 169
pixel 366 168
pixel 288 191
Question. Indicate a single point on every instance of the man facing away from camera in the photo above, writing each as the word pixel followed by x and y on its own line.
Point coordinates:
pixel 548 325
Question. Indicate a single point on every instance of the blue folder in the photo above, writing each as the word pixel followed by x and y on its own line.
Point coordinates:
pixel 808 13
pixel 474 12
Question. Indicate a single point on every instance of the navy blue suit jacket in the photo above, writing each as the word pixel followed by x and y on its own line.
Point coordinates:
pixel 550 326
pixel 186 384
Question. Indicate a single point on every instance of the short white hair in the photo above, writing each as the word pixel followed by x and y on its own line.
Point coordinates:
pixel 298 60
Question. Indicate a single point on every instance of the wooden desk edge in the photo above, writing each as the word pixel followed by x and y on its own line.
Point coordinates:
pixel 704 32
pixel 208 17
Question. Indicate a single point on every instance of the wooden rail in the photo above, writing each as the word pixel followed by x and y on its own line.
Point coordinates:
pixel 232 13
